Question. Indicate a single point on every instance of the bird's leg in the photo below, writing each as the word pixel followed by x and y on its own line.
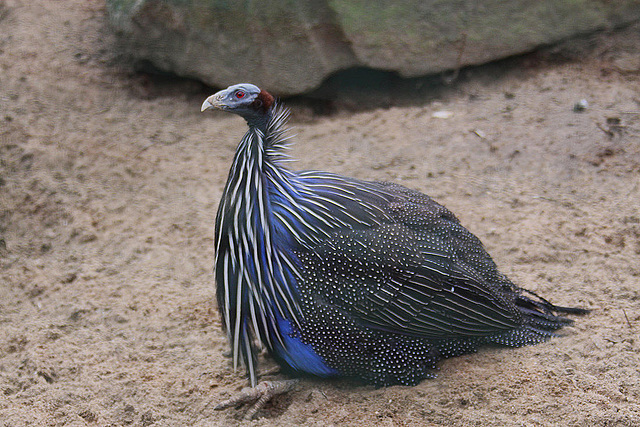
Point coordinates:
pixel 260 394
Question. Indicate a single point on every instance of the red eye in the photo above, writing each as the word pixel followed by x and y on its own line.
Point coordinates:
pixel 240 94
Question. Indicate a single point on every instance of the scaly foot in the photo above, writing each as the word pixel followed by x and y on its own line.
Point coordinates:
pixel 261 394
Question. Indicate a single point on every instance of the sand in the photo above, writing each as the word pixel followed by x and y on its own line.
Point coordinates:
pixel 109 183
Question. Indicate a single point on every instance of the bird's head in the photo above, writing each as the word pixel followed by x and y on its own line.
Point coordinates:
pixel 245 100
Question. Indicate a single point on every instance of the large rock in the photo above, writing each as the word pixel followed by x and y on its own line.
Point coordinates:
pixel 291 46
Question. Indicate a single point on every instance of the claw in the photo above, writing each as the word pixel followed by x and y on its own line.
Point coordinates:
pixel 260 394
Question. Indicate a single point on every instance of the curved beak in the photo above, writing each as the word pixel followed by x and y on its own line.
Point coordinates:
pixel 214 101
pixel 206 105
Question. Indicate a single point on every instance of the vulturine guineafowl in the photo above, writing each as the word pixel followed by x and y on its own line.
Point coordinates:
pixel 341 277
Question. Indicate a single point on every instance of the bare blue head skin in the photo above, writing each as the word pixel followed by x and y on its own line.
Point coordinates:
pixel 245 100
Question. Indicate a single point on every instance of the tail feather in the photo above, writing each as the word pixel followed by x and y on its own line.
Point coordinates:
pixel 540 321
pixel 571 310
pixel 543 303
pixel 540 312
pixel 544 320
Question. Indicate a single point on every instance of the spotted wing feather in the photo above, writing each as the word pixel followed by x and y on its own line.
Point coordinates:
pixel 416 272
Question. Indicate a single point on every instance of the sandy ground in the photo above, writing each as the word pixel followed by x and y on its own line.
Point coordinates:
pixel 109 183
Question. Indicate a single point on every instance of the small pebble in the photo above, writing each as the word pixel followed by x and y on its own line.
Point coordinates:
pixel 443 114
pixel 580 106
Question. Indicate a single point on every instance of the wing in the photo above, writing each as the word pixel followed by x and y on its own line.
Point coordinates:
pixel 418 272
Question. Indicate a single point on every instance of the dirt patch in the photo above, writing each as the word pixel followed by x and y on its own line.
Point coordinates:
pixel 109 183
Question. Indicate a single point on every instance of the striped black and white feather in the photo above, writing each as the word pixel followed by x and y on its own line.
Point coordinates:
pixel 266 214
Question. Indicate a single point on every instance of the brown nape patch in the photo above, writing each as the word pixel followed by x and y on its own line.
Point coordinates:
pixel 264 101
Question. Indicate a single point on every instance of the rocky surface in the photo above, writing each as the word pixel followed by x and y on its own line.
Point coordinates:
pixel 291 46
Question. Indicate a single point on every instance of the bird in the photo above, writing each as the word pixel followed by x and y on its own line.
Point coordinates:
pixel 341 277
